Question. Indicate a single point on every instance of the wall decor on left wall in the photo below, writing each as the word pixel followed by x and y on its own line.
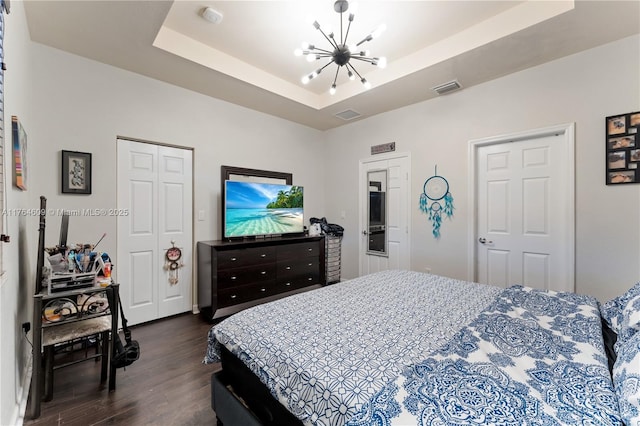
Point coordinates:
pixel 19 154
pixel 76 172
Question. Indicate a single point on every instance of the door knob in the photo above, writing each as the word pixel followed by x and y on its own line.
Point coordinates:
pixel 483 240
pixel 364 232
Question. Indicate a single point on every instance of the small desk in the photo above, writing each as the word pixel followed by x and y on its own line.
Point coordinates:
pixel 57 317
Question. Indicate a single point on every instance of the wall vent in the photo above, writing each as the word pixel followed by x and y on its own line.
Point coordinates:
pixel 348 114
pixel 447 87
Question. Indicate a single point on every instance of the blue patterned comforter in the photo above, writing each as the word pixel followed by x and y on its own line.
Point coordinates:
pixel 531 358
pixel 325 353
pixel 405 348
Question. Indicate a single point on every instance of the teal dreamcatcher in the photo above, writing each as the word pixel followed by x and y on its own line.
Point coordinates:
pixel 435 193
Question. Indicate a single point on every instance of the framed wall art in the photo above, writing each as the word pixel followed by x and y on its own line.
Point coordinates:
pixel 19 154
pixel 76 172
pixel 623 148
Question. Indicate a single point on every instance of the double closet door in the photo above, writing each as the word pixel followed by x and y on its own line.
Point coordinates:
pixel 155 185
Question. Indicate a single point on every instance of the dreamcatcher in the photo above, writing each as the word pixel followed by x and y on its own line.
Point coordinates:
pixel 436 191
pixel 172 263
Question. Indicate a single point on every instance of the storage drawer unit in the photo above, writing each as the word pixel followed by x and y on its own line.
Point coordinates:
pixel 234 272
pixel 333 246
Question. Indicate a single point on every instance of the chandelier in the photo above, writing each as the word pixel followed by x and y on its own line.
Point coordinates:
pixel 341 53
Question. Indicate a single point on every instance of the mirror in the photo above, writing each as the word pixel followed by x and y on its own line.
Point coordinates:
pixel 376 231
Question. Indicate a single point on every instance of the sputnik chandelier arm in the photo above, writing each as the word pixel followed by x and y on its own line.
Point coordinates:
pixel 341 53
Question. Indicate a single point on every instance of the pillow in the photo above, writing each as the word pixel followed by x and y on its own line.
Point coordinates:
pixel 630 322
pixel 626 380
pixel 612 311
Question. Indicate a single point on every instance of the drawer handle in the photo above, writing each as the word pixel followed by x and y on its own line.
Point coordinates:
pixel 233 296
pixel 310 279
pixel 263 273
pixel 233 278
pixel 288 268
pixel 309 249
pixel 311 264
pixel 288 284
pixel 263 255
pixel 263 289
pixel 233 259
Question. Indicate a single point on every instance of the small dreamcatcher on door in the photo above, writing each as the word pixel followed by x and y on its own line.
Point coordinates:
pixel 173 263
pixel 436 200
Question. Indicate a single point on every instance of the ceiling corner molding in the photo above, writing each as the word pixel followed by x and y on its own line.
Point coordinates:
pixel 185 47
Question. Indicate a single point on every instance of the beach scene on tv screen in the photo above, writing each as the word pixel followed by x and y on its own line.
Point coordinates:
pixel 262 209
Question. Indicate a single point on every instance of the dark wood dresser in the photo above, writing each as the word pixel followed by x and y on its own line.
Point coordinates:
pixel 234 272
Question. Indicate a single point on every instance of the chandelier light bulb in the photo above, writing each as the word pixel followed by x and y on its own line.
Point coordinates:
pixel 311 58
pixel 305 79
pixel 382 62
pixel 298 52
pixel 376 33
pixel 366 84
pixel 332 91
pixel 351 76
pixel 305 45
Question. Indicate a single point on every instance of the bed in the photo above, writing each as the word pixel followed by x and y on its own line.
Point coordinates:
pixel 404 348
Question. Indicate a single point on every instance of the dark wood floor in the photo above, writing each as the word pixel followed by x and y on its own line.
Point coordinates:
pixel 168 385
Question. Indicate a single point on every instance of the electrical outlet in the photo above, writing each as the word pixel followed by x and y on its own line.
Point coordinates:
pixel 26 326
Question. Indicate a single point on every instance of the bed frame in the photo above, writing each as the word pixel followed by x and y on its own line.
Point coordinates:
pixel 238 397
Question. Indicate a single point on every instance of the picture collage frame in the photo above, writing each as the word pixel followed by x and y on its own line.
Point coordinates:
pixel 623 149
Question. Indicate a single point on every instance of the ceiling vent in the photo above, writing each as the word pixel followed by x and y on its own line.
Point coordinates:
pixel 448 87
pixel 348 114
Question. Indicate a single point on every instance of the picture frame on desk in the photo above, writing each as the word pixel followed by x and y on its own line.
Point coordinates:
pixel 76 172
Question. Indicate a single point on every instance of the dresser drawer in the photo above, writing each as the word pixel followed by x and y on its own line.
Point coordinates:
pixel 243 257
pixel 246 293
pixel 297 267
pixel 298 250
pixel 247 275
pixel 296 282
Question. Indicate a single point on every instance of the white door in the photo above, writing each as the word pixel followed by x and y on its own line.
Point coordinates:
pixel 524 188
pixel 155 185
pixel 394 251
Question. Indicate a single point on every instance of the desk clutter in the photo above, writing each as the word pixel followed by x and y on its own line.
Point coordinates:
pixel 67 268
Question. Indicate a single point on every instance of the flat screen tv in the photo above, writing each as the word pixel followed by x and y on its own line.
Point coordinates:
pixel 255 209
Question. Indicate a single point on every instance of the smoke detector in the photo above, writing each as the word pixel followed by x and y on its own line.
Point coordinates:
pixel 211 15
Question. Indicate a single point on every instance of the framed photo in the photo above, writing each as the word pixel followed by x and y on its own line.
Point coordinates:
pixel 19 154
pixel 618 160
pixel 76 172
pixel 616 125
pixel 622 153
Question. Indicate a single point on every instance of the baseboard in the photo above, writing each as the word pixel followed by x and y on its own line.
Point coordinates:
pixel 20 409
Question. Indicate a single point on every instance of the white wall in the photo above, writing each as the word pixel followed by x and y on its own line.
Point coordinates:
pixel 583 88
pixel 17 282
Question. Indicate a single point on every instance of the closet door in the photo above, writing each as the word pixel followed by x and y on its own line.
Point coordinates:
pixel 155 185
